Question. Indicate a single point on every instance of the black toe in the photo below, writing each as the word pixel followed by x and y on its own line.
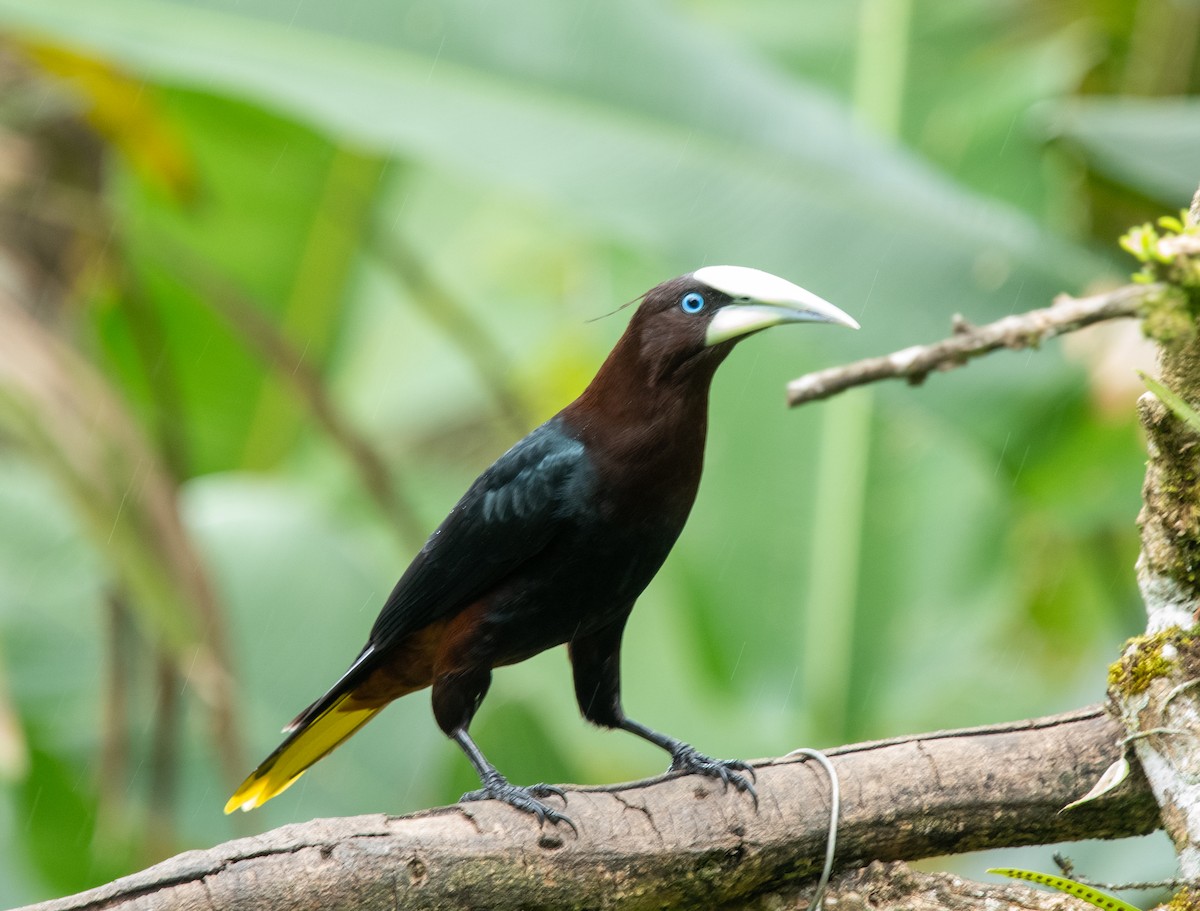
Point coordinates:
pixel 730 771
pixel 524 799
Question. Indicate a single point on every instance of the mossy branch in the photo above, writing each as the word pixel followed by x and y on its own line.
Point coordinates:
pixel 1152 687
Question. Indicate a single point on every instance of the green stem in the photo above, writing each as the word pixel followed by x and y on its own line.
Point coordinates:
pixel 882 63
pixel 843 458
pixel 842 465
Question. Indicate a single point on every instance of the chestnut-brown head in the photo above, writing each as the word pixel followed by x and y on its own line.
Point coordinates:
pixel 691 323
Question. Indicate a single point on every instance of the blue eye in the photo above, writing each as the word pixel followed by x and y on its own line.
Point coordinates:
pixel 692 302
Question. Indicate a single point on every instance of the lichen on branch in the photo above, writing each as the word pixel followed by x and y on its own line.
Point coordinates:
pixel 1152 686
pixel 1161 655
pixel 1169 565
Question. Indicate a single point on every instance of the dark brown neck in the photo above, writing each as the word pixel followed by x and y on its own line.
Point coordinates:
pixel 644 422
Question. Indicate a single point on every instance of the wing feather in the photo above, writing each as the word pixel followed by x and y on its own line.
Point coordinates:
pixel 511 512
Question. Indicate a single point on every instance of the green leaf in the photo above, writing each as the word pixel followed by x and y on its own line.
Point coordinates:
pixel 279 223
pixel 60 812
pixel 688 132
pixel 1090 895
pixel 1146 144
pixel 1178 406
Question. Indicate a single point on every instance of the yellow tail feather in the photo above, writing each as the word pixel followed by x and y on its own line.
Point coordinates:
pixel 312 742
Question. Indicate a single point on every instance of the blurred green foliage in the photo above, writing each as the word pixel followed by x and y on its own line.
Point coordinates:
pixel 330 259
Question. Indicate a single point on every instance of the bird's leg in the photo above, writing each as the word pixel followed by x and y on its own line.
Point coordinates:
pixel 456 696
pixel 686 758
pixel 497 787
pixel 596 662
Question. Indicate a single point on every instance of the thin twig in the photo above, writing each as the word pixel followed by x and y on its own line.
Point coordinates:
pixel 168 407
pixel 460 325
pixel 164 755
pixel 246 317
pixel 1155 732
pixel 114 772
pixel 1023 330
pixel 1067 866
pixel 1177 690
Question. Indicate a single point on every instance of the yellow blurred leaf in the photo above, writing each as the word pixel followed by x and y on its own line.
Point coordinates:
pixel 125 111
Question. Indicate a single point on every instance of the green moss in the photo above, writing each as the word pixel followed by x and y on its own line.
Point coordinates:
pixel 1184 900
pixel 1133 672
pixel 1167 317
pixel 1171 518
pixel 1143 661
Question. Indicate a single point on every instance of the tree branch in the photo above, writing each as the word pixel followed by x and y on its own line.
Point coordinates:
pixel 1023 330
pixel 1152 687
pixel 677 840
pixel 894 887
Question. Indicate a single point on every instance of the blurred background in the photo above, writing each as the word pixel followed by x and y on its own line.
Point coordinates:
pixel 278 279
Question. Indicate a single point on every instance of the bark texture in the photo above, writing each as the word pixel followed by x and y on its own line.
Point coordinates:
pixel 1022 330
pixel 675 841
pixel 894 887
pixel 1153 686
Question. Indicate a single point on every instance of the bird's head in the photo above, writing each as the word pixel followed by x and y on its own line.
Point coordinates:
pixel 695 320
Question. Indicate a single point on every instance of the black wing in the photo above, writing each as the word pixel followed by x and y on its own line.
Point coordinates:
pixel 506 517
pixel 511 512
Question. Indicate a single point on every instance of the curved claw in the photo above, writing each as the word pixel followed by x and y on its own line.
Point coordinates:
pixel 524 799
pixel 729 771
pixel 547 790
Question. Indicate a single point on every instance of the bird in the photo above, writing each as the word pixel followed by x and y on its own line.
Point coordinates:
pixel 553 544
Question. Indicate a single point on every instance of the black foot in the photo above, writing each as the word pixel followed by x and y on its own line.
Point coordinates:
pixel 686 759
pixel 523 799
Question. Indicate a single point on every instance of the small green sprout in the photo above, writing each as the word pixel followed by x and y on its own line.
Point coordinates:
pixel 1177 405
pixel 1169 251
